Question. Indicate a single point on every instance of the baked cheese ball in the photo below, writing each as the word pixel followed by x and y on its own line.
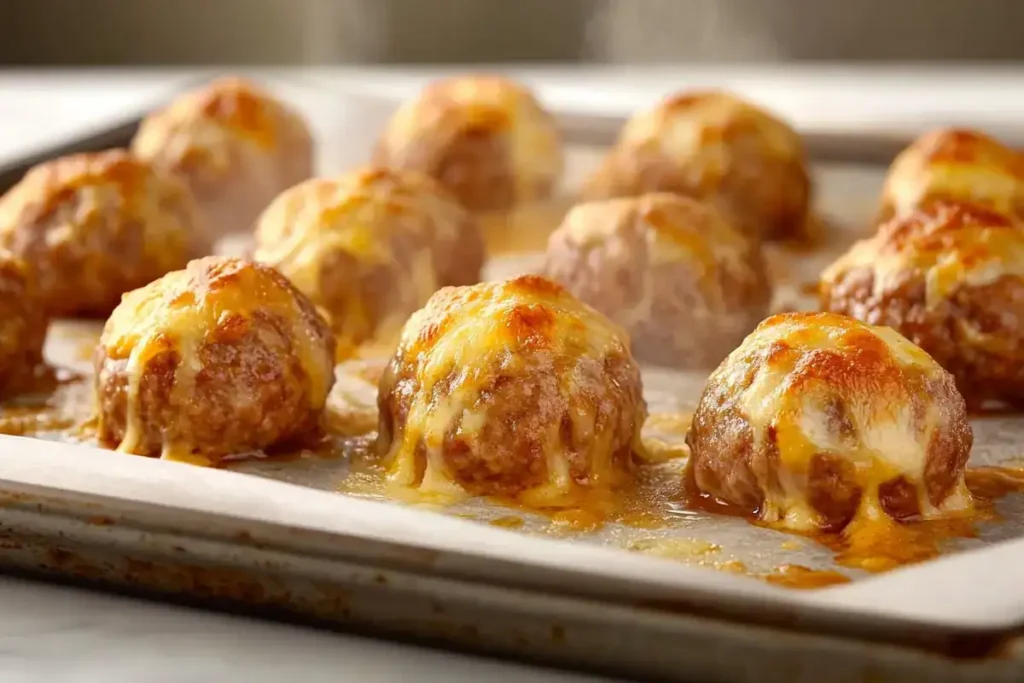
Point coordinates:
pixel 235 145
pixel 817 420
pixel 510 389
pixel 951 164
pixel 370 247
pixel 23 326
pixel 949 277
pixel 222 358
pixel 685 284
pixel 718 147
pixel 93 226
pixel 486 138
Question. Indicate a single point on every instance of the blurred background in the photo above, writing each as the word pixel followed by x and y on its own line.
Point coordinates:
pixel 259 32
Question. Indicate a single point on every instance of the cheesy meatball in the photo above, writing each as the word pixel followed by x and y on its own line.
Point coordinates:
pixel 510 389
pixel 949 277
pixel 717 147
pixel 22 326
pixel 93 226
pixel 370 247
pixel 222 358
pixel 685 285
pixel 486 138
pixel 817 420
pixel 235 145
pixel 955 165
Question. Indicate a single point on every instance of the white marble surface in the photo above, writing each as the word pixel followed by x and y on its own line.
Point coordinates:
pixel 57 634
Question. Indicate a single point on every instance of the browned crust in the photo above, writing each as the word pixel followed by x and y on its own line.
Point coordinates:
pixel 23 327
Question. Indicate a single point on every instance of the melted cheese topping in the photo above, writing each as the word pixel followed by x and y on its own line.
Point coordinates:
pixel 460 340
pixel 360 214
pixel 704 126
pixel 181 310
pixel 676 230
pixel 448 107
pixel 202 127
pixel 805 365
pixel 958 165
pixel 947 245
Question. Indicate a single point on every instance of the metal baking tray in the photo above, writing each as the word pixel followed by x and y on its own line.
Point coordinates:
pixel 290 542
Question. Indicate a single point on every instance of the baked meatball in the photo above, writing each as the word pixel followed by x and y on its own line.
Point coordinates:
pixel 510 389
pixel 717 147
pixel 22 326
pixel 370 247
pixel 818 419
pixel 949 277
pixel 93 226
pixel 222 358
pixel 235 145
pixel 671 270
pixel 958 165
pixel 486 138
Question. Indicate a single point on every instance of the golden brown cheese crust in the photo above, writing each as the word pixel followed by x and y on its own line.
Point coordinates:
pixel 817 420
pixel 685 285
pixel 370 247
pixel 236 146
pixel 949 277
pixel 94 226
pixel 951 164
pixel 714 146
pixel 511 389
pixel 486 138
pixel 23 325
pixel 222 358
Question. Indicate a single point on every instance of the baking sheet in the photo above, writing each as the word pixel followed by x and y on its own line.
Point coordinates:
pixel 668 563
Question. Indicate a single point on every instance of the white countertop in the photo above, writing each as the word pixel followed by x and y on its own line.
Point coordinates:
pixel 62 634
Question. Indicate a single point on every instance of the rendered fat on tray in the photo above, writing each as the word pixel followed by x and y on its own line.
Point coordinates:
pixel 662 508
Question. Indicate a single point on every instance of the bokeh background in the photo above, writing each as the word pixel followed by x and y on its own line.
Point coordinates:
pixel 258 32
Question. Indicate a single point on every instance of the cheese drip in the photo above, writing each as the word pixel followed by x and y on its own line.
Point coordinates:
pixel 790 395
pixel 477 340
pixel 178 313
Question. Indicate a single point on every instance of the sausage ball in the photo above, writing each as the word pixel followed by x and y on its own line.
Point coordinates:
pixel 93 226
pixel 222 358
pixel 817 420
pixel 370 247
pixel 486 138
pixel 955 165
pixel 714 146
pixel 510 389
pixel 22 326
pixel 235 145
pixel 950 278
pixel 671 270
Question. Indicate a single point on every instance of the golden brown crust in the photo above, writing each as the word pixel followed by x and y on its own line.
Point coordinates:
pixel 817 419
pixel 23 326
pixel 235 145
pixel 370 247
pixel 94 226
pixel 224 357
pixel 954 164
pixel 684 284
pixel 486 138
pixel 714 146
pixel 506 389
pixel 949 277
